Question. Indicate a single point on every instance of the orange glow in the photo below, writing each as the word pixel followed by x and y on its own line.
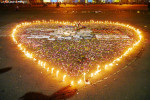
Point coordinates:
pixel 52 70
pixel 110 64
pixel 57 73
pixel 79 82
pixel 72 83
pixel 47 69
pixel 106 66
pixel 91 74
pixel 43 63
pixel 98 67
pixel 64 77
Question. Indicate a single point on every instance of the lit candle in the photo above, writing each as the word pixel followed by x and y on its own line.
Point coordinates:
pixel 64 77
pixel 44 64
pixel 57 73
pixel 52 70
pixel 84 76
pixel 79 81
pixel 72 82
pixel 91 74
pixel 47 69
pixel 98 67
pixel 106 66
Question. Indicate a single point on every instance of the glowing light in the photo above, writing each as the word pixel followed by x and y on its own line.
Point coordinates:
pixel 97 71
pixel 125 53
pixel 64 78
pixel 110 64
pixel 43 64
pixel 72 82
pixel 84 76
pixel 91 74
pixel 24 50
pixel 106 66
pixel 47 69
pixel 98 67
pixel 79 81
pixel 129 49
pixel 19 45
pixel 52 70
pixel 34 59
pixel 39 62
pixel 28 54
pixel 118 59
pixel 57 73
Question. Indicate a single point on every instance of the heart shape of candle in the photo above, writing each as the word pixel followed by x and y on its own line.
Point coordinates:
pixel 75 48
